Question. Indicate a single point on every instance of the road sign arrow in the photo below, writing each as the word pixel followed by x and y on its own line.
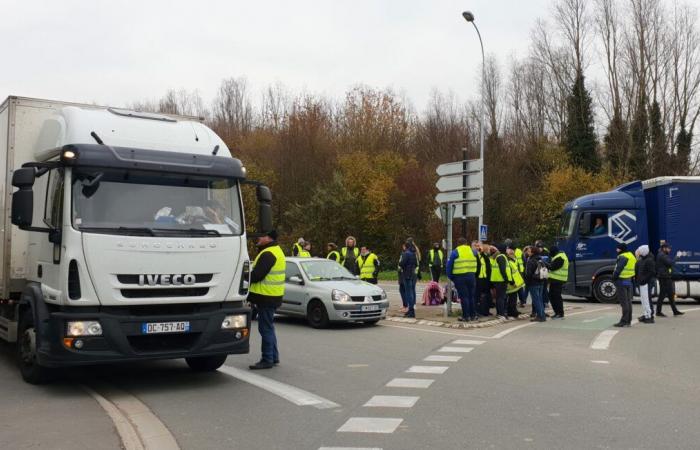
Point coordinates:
pixel 458 197
pixel 458 167
pixel 457 182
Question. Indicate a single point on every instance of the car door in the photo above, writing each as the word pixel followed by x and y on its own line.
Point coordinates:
pixel 293 301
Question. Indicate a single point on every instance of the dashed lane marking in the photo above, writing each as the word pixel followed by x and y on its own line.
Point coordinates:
pixel 414 383
pixel 382 425
pixel 456 349
pixel 442 358
pixel 391 401
pixel 467 342
pixel 602 341
pixel 293 394
pixel 428 369
pixel 349 448
pixel 599 361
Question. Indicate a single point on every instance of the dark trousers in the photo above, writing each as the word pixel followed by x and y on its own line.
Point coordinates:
pixel 409 288
pixel 555 297
pixel 513 304
pixel 545 292
pixel 522 295
pixel 435 273
pixel 483 296
pixel 466 285
pixel 624 296
pixel 500 289
pixel 667 290
pixel 266 327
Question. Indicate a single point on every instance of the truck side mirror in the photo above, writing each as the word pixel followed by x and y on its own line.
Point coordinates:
pixel 265 212
pixel 23 200
pixel 263 193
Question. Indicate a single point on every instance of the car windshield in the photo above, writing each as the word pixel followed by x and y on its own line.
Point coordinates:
pixel 325 270
pixel 150 203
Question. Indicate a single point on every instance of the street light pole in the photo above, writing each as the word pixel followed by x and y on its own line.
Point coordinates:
pixel 469 17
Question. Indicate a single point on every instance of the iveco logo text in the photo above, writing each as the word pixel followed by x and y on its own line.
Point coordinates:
pixel 167 280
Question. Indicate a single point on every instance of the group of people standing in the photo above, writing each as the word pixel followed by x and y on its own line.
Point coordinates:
pixel 359 261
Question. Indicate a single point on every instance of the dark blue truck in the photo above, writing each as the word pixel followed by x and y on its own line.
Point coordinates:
pixel 665 209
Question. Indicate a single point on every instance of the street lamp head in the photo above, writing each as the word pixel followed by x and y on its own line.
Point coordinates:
pixel 468 16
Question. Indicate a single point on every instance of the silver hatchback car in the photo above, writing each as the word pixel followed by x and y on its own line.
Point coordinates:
pixel 323 291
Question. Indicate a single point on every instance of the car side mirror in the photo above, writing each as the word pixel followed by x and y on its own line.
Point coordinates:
pixel 296 280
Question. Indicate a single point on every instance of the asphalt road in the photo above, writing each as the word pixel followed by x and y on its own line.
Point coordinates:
pixel 519 385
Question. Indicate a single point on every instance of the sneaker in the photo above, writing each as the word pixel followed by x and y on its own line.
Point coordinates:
pixel 678 313
pixel 262 364
pixel 462 319
pixel 501 317
pixel 621 324
pixel 660 314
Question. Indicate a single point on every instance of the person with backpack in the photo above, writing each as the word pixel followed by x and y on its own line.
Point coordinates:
pixel 535 274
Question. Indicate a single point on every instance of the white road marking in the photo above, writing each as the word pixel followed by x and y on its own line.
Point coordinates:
pixel 414 383
pixel 370 425
pixel 423 330
pixel 593 320
pixel 510 330
pixel 391 401
pixel 428 369
pixel 602 341
pixel 357 366
pixel 142 429
pixel 599 361
pixel 295 395
pixel 442 358
pixel 456 349
pixel 349 448
pixel 467 342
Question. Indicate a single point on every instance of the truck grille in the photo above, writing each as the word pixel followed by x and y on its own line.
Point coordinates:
pixel 166 292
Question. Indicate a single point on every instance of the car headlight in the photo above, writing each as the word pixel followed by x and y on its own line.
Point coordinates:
pixel 340 296
pixel 233 322
pixel 383 296
pixel 83 328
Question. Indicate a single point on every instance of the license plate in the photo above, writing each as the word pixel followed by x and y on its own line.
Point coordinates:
pixel 165 327
pixel 370 308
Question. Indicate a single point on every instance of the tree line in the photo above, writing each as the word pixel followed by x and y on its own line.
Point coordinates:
pixel 607 93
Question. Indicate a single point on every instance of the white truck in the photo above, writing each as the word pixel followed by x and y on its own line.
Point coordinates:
pixel 123 238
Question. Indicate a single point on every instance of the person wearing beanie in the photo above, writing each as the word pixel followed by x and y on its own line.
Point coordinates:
pixel 664 270
pixel 644 272
pixel 500 278
pixel 266 292
pixel 622 276
pixel 558 275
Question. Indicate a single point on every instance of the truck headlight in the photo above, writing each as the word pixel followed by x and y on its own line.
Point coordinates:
pixel 233 322
pixel 340 296
pixel 83 328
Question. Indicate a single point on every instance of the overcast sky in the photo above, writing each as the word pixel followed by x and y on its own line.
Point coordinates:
pixel 115 52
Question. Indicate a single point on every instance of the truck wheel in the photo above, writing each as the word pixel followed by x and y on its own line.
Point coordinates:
pixel 30 369
pixel 206 363
pixel 604 289
pixel 316 315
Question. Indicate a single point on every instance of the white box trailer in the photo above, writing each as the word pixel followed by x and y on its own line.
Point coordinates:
pixel 112 250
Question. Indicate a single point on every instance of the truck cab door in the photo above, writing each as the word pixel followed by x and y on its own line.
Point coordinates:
pixel 50 200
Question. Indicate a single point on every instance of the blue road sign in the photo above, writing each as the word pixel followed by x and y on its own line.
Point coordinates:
pixel 483 232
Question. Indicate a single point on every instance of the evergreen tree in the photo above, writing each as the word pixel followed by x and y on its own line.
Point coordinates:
pixel 683 143
pixel 617 143
pixel 658 157
pixel 639 138
pixel 580 138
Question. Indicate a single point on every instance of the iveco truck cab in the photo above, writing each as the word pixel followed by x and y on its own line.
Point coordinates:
pixel 123 238
pixel 665 209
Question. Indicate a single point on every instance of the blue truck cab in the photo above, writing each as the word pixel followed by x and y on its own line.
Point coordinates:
pixel 665 209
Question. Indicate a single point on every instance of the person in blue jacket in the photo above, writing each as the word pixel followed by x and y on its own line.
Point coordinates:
pixel 407 265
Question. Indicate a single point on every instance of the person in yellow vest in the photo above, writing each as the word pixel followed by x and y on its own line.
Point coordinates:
pixel 298 246
pixel 369 265
pixel 266 292
pixel 305 252
pixel 333 253
pixel 500 277
pixel 436 261
pixel 558 275
pixel 461 269
pixel 349 255
pixel 483 278
pixel 622 276
pixel 520 263
pixel 514 286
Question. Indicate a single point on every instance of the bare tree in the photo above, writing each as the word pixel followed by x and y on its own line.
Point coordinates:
pixel 232 109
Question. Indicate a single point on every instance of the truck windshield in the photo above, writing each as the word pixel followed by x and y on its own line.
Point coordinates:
pixel 150 203
pixel 567 224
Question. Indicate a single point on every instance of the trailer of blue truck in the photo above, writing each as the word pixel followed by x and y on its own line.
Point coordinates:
pixel 665 209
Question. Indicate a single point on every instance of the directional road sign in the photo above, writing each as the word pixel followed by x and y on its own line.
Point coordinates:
pixel 457 182
pixel 457 197
pixel 458 167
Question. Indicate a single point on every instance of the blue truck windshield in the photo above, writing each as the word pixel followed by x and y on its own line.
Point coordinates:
pixel 162 204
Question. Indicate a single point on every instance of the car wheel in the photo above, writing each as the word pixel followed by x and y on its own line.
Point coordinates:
pixel 30 369
pixel 316 315
pixel 206 363
pixel 604 289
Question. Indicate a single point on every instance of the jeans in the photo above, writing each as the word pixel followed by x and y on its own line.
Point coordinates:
pixel 266 327
pixel 466 285
pixel 409 287
pixel 522 295
pixel 537 302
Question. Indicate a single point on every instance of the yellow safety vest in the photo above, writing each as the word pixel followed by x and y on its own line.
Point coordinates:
pixel 431 256
pixel 366 264
pixel 344 253
pixel 273 283
pixel 304 254
pixel 298 247
pixel 517 278
pixel 628 271
pixel 562 273
pixel 334 256
pixel 496 276
pixel 482 269
pixel 519 260
pixel 465 262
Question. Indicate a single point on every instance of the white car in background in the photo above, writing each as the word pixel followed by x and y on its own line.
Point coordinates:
pixel 323 291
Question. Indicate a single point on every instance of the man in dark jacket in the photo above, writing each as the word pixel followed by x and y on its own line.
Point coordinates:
pixel 644 273
pixel 534 282
pixel 407 265
pixel 622 276
pixel 558 276
pixel 266 292
pixel 500 277
pixel 667 288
